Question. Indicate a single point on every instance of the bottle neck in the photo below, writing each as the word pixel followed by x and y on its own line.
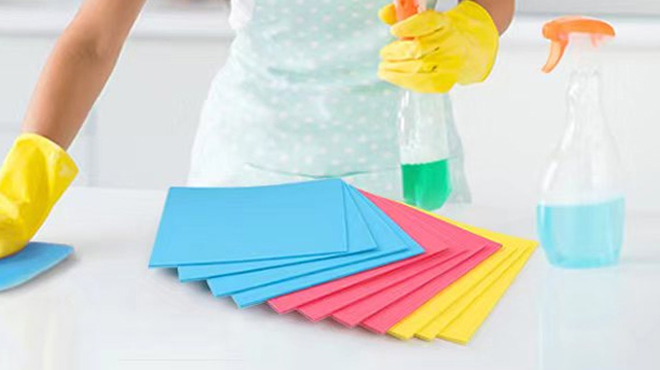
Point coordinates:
pixel 585 114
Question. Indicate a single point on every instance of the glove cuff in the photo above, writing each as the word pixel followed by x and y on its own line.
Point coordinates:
pixel 62 170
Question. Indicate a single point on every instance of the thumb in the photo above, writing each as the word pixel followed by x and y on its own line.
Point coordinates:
pixel 387 14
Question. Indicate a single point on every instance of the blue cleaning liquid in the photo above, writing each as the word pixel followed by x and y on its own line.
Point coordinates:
pixel 582 236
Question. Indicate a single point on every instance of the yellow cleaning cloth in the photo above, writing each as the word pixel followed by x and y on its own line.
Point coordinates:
pixel 452 314
pixel 444 319
pixel 463 328
pixel 415 322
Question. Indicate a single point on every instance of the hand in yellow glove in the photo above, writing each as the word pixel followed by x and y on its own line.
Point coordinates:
pixel 35 174
pixel 436 50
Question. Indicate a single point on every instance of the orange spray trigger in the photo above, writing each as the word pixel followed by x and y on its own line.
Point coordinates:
pixel 407 8
pixel 559 30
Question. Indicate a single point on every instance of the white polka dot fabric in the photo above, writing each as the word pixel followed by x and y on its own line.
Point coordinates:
pixel 299 98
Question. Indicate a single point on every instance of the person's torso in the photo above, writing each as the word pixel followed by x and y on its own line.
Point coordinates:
pixel 299 98
pixel 300 94
pixel 325 43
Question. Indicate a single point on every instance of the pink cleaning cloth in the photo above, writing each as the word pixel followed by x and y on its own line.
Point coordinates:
pixel 322 308
pixel 429 267
pixel 447 248
pixel 381 311
pixel 427 238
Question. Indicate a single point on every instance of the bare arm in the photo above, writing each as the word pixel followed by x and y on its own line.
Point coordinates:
pixel 79 67
pixel 500 10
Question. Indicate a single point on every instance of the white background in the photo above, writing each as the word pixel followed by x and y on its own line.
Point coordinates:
pixel 630 7
pixel 102 309
pixel 141 130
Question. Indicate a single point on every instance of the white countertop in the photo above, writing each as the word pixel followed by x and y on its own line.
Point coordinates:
pixel 104 309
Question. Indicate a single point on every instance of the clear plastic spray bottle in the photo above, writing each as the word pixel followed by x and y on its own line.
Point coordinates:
pixel 580 218
pixel 423 136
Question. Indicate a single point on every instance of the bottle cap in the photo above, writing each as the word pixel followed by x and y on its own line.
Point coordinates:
pixel 559 30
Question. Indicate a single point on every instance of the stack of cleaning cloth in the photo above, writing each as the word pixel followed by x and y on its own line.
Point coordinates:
pixel 328 250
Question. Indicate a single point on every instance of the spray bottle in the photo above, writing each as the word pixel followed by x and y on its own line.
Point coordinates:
pixel 423 135
pixel 580 218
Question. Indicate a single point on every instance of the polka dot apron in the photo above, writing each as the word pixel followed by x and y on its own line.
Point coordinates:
pixel 299 99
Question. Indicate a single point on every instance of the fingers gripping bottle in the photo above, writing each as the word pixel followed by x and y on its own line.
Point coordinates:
pixel 423 135
pixel 580 218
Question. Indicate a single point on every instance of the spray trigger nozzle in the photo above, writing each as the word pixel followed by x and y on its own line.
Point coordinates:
pixel 559 30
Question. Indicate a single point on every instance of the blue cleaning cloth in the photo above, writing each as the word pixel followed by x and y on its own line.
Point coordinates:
pixel 210 225
pixel 32 261
pixel 257 287
pixel 360 240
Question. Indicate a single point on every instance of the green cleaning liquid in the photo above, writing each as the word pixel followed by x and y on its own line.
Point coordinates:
pixel 426 185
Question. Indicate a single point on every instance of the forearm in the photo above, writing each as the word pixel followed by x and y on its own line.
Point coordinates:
pixel 78 68
pixel 69 84
pixel 501 11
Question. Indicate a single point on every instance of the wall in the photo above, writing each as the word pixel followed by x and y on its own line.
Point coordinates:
pixel 512 124
pixel 142 128
pixel 629 7
pixel 149 113
pixel 140 131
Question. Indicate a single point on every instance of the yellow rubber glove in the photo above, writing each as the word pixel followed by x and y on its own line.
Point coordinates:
pixel 35 174
pixel 436 50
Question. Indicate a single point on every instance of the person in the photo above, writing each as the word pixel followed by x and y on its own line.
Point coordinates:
pixel 303 94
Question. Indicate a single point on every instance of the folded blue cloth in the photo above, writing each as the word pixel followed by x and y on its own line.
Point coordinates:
pixel 212 225
pixel 31 262
pixel 256 287
pixel 359 240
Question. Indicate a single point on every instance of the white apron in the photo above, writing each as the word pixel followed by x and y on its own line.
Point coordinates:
pixel 299 99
